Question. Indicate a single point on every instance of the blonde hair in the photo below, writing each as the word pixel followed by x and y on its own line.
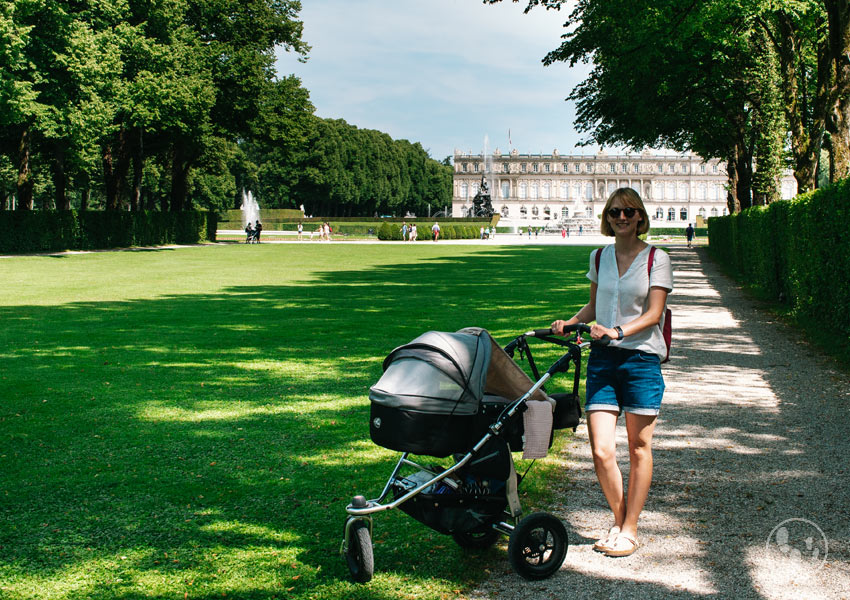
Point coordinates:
pixel 628 197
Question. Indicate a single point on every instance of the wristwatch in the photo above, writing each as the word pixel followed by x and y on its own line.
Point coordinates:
pixel 619 331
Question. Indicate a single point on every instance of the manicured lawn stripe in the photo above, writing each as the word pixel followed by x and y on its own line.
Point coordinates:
pixel 192 422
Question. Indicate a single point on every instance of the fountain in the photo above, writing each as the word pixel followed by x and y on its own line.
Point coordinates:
pixel 250 209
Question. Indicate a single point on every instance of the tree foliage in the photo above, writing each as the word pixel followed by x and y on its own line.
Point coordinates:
pixel 757 83
pixel 130 104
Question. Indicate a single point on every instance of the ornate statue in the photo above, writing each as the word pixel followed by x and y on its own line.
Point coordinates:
pixel 482 207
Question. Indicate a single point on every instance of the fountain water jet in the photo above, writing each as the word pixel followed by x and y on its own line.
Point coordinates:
pixel 250 209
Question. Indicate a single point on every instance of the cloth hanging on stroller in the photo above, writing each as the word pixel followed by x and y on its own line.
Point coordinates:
pixel 429 397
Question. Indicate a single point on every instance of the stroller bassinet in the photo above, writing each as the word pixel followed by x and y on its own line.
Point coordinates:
pixel 440 392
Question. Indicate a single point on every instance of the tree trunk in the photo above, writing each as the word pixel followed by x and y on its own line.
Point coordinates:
pixel 116 163
pixel 838 16
pixel 805 143
pixel 138 165
pixel 179 179
pixel 59 177
pixel 84 198
pixel 25 182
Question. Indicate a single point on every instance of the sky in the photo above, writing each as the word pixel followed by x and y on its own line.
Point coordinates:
pixel 449 74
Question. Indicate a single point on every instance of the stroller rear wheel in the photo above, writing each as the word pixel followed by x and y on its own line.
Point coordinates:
pixel 358 553
pixel 538 546
pixel 477 540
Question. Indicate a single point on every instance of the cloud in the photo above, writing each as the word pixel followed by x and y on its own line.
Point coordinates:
pixel 441 72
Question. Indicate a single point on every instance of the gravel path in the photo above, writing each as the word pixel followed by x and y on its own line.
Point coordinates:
pixel 753 432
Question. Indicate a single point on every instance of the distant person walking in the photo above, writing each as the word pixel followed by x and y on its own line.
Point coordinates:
pixel 258 229
pixel 413 232
pixel 404 230
pixel 300 231
pixel 249 233
pixel 435 231
pixel 689 233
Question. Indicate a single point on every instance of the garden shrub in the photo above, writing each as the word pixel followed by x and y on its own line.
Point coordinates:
pixel 52 231
pixel 385 231
pixel 795 252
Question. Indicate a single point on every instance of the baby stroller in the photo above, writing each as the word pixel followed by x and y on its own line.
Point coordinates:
pixel 461 395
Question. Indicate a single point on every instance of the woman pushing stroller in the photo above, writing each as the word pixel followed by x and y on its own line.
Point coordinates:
pixel 630 281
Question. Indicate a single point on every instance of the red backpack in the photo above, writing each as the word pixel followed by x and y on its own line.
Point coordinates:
pixel 667 329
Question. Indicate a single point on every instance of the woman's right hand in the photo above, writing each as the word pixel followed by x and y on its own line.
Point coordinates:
pixel 558 326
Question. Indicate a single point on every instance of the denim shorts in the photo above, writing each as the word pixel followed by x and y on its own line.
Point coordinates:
pixel 625 380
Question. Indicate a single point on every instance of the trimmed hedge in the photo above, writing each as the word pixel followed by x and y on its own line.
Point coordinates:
pixel 796 252
pixel 392 231
pixel 54 231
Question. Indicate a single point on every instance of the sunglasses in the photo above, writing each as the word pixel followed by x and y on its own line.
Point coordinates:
pixel 628 211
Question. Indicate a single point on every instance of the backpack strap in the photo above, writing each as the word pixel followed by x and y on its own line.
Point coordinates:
pixel 649 262
pixel 598 258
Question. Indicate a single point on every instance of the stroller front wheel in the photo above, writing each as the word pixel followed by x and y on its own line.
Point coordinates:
pixel 358 553
pixel 538 546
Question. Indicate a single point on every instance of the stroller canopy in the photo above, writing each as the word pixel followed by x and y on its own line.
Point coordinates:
pixel 448 373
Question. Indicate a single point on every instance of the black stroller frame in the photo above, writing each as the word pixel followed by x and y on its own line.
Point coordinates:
pixel 538 543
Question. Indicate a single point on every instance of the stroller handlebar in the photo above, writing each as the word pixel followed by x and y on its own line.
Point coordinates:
pixel 581 328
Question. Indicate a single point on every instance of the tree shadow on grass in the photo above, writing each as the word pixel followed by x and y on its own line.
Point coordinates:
pixel 204 424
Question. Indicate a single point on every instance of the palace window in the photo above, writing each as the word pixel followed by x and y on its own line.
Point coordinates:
pixel 588 212
pixel 522 167
pixel 505 211
pixel 565 190
pixel 624 168
pixel 684 168
pixel 565 213
pixel 683 214
pixel 506 189
pixel 523 190
pixel 547 190
pixel 464 190
pixel 465 167
pixel 714 168
pixel 659 167
pixel 701 192
pixel 535 211
pixel 505 167
pixel 713 212
pixel 588 191
pixel 588 168
pixel 613 167
pixel 671 168
pixel 702 168
pixel 659 213
pixel 701 212
pixel 546 211
pixel 534 191
pixel 577 168
pixel 671 214
pixel 523 210
pixel 534 167
pixel 637 168
pixel 547 168
pixel 566 168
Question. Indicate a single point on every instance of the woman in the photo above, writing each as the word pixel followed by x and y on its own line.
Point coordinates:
pixel 627 303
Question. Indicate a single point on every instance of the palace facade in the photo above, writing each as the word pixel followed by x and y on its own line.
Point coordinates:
pixel 531 189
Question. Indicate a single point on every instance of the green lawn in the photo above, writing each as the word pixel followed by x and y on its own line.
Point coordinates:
pixel 190 423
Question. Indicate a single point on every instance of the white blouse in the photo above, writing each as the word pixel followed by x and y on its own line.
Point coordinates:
pixel 620 300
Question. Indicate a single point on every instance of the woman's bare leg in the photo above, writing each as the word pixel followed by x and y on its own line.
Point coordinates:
pixel 602 428
pixel 640 429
